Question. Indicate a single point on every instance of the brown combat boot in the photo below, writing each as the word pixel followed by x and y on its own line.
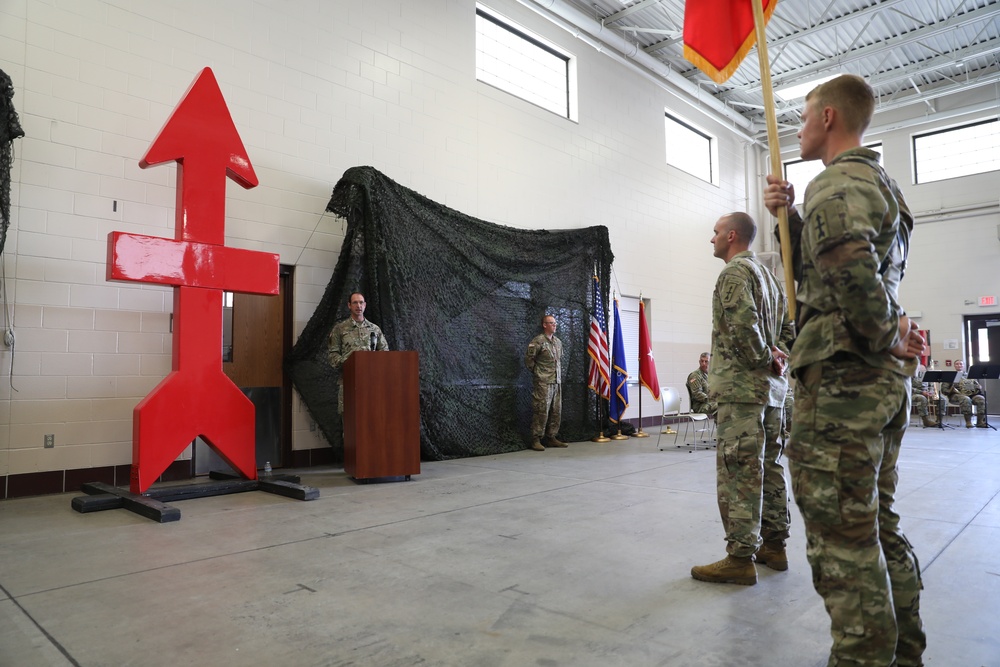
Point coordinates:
pixel 537 445
pixel 981 421
pixel 968 421
pixel 729 570
pixel 553 441
pixel 773 555
pixel 928 422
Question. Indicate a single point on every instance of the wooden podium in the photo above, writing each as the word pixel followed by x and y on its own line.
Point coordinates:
pixel 381 415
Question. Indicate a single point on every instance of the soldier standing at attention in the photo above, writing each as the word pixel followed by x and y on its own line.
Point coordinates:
pixel 354 333
pixel 854 355
pixel 697 384
pixel 750 337
pixel 544 359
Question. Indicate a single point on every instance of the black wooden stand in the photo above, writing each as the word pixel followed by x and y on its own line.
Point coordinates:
pixel 152 504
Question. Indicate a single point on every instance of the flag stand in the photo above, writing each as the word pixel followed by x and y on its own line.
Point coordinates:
pixel 638 432
pixel 597 367
pixel 600 437
pixel 619 436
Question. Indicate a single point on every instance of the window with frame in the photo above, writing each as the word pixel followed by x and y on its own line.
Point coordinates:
pixel 512 59
pixel 691 149
pixel 799 172
pixel 957 151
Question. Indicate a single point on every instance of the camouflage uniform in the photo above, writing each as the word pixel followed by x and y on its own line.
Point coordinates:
pixel 965 393
pixel 345 338
pixel 920 401
pixel 697 384
pixel 749 316
pixel 543 358
pixel 789 408
pixel 853 408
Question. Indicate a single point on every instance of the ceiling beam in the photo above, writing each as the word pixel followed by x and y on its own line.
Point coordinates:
pixel 837 61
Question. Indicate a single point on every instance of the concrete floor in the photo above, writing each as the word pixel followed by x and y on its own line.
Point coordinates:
pixel 571 557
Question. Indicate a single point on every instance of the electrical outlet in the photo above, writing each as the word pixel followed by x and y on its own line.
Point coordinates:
pixel 50 440
pixel 312 427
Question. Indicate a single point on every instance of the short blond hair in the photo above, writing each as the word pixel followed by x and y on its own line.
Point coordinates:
pixel 851 96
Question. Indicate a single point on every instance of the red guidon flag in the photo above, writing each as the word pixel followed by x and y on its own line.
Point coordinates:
pixel 647 365
pixel 718 34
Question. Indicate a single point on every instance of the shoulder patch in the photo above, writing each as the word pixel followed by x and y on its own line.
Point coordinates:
pixel 730 290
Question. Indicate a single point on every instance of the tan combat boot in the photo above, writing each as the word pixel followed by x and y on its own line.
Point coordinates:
pixel 968 421
pixel 537 445
pixel 553 441
pixel 981 421
pixel 773 555
pixel 928 422
pixel 729 570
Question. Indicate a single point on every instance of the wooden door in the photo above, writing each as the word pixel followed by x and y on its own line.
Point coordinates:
pixel 257 335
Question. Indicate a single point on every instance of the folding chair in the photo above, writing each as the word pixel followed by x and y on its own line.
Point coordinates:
pixel 670 403
pixel 702 425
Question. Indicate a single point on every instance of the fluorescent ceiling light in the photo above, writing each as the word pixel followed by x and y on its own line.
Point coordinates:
pixel 798 90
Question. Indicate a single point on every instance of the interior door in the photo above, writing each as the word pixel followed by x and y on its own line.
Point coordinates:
pixel 256 337
pixel 983 343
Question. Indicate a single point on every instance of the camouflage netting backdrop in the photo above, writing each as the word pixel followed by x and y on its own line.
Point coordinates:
pixel 10 129
pixel 468 296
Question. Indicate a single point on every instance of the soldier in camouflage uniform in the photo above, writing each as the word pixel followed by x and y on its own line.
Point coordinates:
pixel 544 359
pixel 750 337
pixel 697 385
pixel 354 333
pixel 855 352
pixel 965 393
pixel 921 398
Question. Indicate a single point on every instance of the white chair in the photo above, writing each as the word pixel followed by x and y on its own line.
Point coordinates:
pixel 703 427
pixel 670 402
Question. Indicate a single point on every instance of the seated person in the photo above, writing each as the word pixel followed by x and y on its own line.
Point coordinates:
pixel 922 397
pixel 965 393
pixel 697 385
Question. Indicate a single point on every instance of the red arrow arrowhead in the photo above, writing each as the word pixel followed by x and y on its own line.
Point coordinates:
pixel 201 136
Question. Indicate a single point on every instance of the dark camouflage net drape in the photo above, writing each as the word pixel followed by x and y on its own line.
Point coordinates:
pixel 10 129
pixel 467 295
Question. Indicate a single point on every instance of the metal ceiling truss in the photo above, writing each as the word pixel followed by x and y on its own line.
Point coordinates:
pixel 912 52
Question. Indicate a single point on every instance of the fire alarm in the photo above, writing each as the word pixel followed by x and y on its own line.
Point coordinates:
pixel 947 362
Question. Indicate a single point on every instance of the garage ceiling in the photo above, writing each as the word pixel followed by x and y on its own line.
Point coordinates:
pixel 916 54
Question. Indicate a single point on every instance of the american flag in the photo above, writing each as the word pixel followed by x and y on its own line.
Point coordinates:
pixel 597 347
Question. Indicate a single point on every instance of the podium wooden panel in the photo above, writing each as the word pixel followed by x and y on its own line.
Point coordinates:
pixel 381 415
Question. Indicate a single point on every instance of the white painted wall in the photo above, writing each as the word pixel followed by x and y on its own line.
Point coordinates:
pixel 314 87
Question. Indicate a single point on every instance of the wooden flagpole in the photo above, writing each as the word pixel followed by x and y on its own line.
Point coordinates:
pixel 774 149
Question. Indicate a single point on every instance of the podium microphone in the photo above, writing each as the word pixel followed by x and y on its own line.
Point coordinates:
pixel 373 338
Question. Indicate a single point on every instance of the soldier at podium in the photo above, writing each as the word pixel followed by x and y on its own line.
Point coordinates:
pixel 544 359
pixel 354 333
pixel 965 393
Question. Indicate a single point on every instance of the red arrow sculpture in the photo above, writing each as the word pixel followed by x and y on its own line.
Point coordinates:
pixel 195 398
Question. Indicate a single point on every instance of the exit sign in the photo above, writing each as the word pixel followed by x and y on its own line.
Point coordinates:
pixel 987 301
